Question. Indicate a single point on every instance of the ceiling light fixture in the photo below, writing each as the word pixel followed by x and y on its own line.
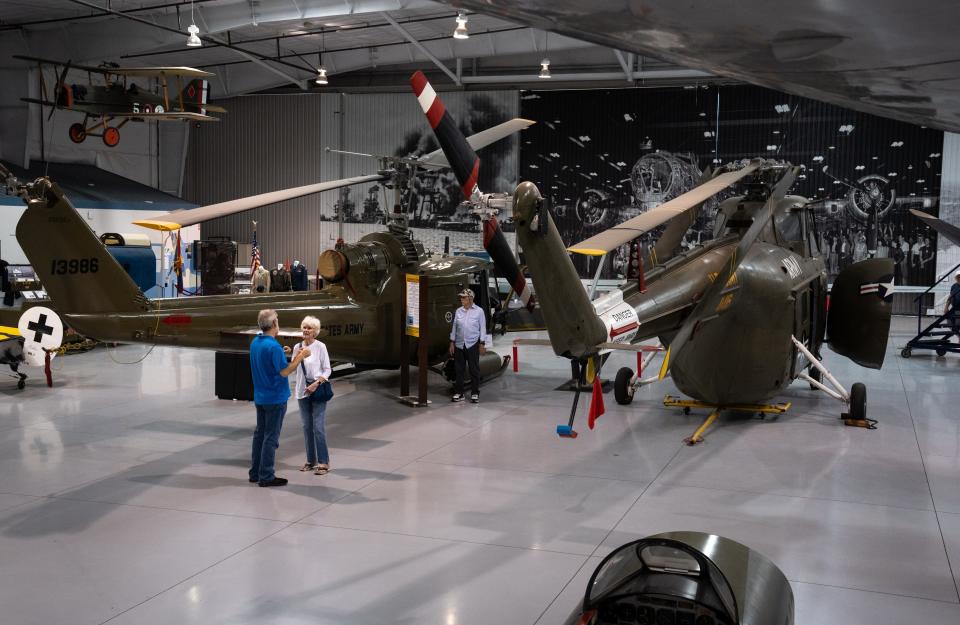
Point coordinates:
pixel 193 41
pixel 321 71
pixel 544 68
pixel 460 32
pixel 545 63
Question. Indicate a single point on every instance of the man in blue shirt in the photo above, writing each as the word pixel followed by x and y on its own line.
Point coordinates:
pixel 269 367
pixel 467 343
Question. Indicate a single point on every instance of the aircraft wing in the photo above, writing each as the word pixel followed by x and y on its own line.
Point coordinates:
pixel 175 220
pixel 479 140
pixel 949 231
pixel 194 117
pixel 612 238
pixel 123 71
pixel 151 72
pixel 878 56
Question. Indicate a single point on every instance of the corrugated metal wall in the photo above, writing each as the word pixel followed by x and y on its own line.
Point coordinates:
pixel 271 142
pixel 948 254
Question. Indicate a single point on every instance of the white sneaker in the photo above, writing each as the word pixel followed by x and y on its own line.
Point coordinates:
pixel 475 398
pixel 457 397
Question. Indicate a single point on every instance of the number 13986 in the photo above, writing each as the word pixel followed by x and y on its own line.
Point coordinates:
pixel 74 265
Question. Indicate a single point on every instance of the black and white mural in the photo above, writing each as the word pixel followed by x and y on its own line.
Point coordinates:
pixel 604 156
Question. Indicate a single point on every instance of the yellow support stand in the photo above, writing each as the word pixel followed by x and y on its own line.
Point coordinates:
pixel 687 404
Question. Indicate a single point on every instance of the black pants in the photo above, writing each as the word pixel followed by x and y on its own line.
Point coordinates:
pixel 463 357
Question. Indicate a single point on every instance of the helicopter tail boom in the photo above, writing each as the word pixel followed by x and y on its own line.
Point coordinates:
pixel 575 328
pixel 76 269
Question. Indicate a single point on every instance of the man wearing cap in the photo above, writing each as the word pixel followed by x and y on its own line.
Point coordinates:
pixel 953 304
pixel 467 343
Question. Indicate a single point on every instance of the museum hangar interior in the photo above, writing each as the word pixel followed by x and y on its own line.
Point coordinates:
pixel 716 255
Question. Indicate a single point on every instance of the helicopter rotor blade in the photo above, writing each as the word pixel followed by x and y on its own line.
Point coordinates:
pixel 175 220
pixel 950 231
pixel 466 166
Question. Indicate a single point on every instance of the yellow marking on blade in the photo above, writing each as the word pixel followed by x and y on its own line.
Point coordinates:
pixel 586 251
pixel 9 330
pixel 166 226
pixel 665 365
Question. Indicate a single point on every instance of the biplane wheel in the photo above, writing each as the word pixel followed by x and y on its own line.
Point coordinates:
pixel 906 352
pixel 111 136
pixel 621 386
pixel 816 375
pixel 21 384
pixel 941 351
pixel 77 133
pixel 858 401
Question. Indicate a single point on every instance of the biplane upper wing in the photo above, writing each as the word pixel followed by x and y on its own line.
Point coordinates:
pixel 616 236
pixel 123 71
pixel 193 117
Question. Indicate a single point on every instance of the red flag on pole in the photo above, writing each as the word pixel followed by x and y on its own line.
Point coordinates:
pixel 596 402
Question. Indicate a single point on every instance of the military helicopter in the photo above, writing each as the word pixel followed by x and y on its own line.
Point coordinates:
pixel 741 316
pixel 359 309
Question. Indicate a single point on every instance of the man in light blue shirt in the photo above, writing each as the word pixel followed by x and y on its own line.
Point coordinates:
pixel 467 343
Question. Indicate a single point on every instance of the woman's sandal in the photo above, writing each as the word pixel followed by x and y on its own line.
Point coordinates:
pixel 308 467
pixel 321 469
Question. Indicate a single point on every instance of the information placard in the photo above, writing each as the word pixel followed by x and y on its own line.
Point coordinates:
pixel 413 305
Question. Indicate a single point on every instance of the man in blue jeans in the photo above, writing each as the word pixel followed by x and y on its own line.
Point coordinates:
pixel 269 367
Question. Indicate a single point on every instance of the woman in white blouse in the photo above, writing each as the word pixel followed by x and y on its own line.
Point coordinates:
pixel 312 372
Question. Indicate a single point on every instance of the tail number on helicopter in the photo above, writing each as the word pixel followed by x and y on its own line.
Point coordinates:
pixel 74 265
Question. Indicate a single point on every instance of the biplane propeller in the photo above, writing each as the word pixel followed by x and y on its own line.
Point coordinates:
pixel 741 316
pixel 121 98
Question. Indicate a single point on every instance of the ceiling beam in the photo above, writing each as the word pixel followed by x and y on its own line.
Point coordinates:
pixel 422 49
pixel 249 54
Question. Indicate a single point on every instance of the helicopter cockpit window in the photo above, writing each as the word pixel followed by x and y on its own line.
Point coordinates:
pixel 790 230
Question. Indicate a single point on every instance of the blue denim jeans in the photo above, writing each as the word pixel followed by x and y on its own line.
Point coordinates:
pixel 313 416
pixel 266 439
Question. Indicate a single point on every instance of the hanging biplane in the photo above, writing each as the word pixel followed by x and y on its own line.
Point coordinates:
pixel 120 98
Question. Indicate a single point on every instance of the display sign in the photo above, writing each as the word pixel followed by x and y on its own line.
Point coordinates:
pixel 413 305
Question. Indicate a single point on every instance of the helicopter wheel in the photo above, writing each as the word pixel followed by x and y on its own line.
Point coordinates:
pixel 111 136
pixel 941 351
pixel 77 133
pixel 621 386
pixel 906 352
pixel 858 402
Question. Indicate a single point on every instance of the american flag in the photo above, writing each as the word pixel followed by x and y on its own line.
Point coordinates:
pixel 255 252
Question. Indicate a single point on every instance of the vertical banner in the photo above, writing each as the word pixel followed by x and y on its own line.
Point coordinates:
pixel 413 305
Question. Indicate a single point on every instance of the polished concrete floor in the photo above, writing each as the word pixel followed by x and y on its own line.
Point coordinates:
pixel 124 498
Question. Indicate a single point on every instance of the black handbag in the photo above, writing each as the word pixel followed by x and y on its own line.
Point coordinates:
pixel 323 393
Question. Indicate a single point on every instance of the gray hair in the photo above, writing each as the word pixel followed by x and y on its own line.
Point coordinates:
pixel 266 318
pixel 312 322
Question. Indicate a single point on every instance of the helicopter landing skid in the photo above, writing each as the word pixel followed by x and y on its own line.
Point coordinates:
pixel 697 436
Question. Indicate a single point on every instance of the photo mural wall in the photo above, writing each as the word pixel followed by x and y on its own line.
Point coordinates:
pixel 604 156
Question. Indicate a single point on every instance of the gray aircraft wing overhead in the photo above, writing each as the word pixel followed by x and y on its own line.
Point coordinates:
pixel 886 57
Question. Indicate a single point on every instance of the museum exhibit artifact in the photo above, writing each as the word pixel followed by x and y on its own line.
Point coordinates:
pixel 741 315
pixel 360 308
pixel 685 578
pixel 121 98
